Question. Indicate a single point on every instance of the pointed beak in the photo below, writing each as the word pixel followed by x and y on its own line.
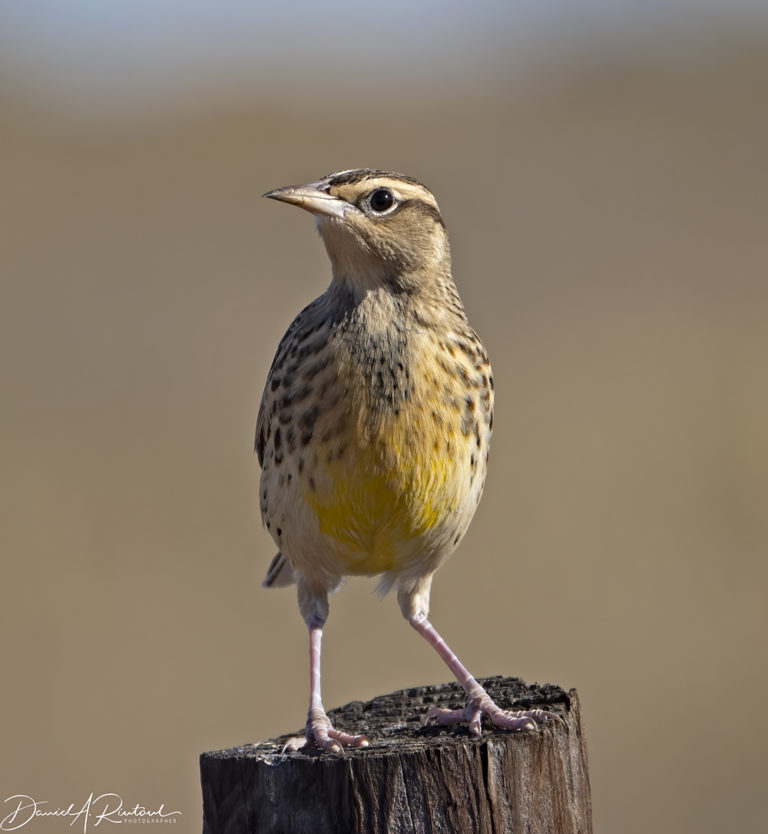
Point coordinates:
pixel 311 198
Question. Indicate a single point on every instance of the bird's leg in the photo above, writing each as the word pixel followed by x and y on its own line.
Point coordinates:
pixel 479 702
pixel 320 731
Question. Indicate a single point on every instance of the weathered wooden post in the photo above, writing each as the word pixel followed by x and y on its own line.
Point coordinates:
pixel 414 778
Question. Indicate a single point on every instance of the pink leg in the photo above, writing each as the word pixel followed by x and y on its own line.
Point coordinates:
pixel 479 702
pixel 319 728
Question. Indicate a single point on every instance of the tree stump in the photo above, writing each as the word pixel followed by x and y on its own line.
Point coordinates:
pixel 414 778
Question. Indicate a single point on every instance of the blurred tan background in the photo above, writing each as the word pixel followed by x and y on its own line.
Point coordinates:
pixel 605 190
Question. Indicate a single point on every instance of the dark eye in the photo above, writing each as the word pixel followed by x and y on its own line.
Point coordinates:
pixel 381 200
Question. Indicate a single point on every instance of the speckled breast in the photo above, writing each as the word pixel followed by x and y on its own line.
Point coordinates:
pixel 384 439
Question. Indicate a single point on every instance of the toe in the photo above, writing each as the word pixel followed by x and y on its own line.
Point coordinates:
pixel 348 740
pixel 513 721
pixel 475 718
pixel 444 717
pixel 328 744
pixel 542 716
pixel 294 744
pixel 324 735
pixel 522 720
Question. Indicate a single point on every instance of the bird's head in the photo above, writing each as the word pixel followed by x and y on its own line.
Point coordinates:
pixel 380 229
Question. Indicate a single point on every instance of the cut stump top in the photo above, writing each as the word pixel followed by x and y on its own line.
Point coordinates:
pixel 414 777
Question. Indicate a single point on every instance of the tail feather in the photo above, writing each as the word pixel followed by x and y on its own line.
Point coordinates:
pixel 279 573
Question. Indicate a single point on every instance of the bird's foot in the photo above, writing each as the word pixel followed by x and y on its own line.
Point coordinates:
pixel 324 735
pixel 482 705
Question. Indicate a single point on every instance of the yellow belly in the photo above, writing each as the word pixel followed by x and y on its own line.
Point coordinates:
pixel 378 501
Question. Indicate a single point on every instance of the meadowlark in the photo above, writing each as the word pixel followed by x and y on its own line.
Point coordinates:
pixel 375 422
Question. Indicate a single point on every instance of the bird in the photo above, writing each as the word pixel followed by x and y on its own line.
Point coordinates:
pixel 374 426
